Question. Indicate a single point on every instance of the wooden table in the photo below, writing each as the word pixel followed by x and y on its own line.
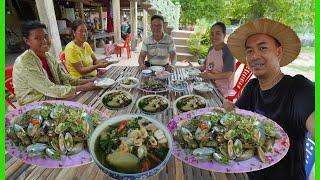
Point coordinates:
pixel 176 169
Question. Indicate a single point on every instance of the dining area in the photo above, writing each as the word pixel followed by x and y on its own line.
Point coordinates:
pixel 175 90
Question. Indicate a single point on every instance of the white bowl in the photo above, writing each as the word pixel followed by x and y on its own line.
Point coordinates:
pixel 182 97
pixel 118 175
pixel 152 113
pixel 131 85
pixel 113 91
pixel 104 82
pixel 146 72
pixel 157 68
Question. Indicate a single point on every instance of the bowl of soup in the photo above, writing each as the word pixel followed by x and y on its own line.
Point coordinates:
pixel 131 146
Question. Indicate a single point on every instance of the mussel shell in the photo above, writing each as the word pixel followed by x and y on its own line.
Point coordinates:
pixel 231 154
pixel 36 149
pixel 61 144
pixel 204 151
pixel 237 147
pixel 248 154
pixel 76 149
pixel 53 154
pixel 261 155
pixel 68 141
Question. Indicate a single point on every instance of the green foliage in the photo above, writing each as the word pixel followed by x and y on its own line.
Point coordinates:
pixel 192 10
pixel 298 14
pixel 199 42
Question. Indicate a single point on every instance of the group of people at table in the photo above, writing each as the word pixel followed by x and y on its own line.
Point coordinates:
pixel 263 44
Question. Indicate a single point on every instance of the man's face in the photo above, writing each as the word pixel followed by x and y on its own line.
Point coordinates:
pixel 263 55
pixel 157 27
pixel 38 40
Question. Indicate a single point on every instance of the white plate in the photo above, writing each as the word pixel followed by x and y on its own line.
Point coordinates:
pixel 191 71
pixel 131 85
pixel 182 97
pixel 202 86
pixel 104 82
pixel 151 113
pixel 157 68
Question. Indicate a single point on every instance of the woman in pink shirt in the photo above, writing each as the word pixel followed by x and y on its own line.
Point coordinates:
pixel 219 64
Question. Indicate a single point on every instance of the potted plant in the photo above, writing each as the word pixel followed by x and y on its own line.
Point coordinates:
pixel 199 44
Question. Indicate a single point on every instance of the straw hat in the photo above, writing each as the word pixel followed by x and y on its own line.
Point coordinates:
pixel 284 34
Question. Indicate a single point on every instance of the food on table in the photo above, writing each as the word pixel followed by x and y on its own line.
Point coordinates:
pixel 146 72
pixel 116 99
pixel 131 146
pixel 153 85
pixel 163 74
pixel 224 136
pixel 190 102
pixel 191 71
pixel 202 86
pixel 129 82
pixel 104 82
pixel 153 104
pixel 52 130
pixel 179 85
pixel 157 68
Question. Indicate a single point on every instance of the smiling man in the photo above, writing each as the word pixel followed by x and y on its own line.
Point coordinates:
pixel 158 48
pixel 267 45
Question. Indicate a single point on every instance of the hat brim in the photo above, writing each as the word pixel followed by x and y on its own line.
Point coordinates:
pixel 288 39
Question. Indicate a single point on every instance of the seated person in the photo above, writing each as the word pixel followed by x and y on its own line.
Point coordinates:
pixel 287 100
pixel 158 48
pixel 219 64
pixel 80 59
pixel 37 75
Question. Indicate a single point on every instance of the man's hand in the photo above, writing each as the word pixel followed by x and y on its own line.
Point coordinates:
pixel 228 105
pixel 142 66
pixel 170 68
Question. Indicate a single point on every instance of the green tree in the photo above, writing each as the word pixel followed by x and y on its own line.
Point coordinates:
pixel 192 10
pixel 299 14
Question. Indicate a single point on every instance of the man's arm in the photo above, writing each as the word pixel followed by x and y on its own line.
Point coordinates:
pixel 141 59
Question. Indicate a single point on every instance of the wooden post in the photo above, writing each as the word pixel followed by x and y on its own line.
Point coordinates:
pixel 116 20
pixel 48 17
pixel 80 9
pixel 133 15
pixel 145 24
pixel 100 11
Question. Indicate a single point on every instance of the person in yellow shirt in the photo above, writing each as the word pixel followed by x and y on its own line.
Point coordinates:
pixel 80 59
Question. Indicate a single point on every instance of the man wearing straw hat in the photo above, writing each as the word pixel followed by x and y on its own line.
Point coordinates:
pixel 266 45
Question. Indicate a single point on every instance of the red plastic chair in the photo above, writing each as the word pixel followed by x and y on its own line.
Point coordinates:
pixel 126 45
pixel 62 57
pixel 242 81
pixel 9 85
